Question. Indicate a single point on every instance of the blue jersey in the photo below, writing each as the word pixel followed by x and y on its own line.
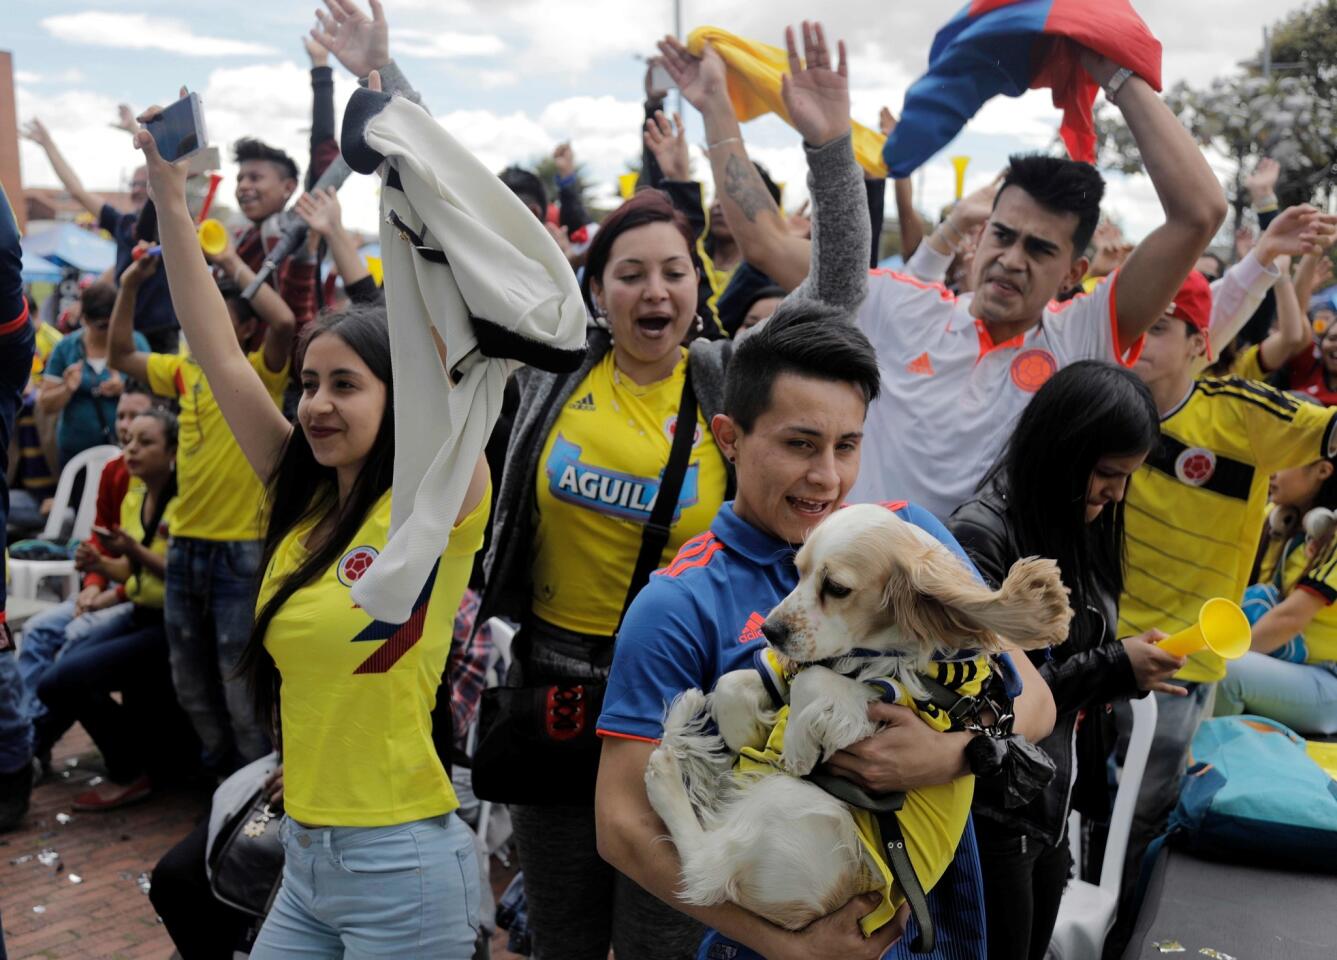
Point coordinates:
pixel 698 619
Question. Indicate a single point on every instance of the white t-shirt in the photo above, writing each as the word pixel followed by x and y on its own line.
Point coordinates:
pixel 950 395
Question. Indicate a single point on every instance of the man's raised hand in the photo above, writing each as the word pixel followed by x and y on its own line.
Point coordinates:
pixel 37 132
pixel 1296 231
pixel 668 142
pixel 1262 183
pixel 816 94
pixel 359 42
pixel 702 80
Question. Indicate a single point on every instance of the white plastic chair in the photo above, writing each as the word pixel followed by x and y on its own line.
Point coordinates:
pixel 1087 911
pixel 501 634
pixel 27 576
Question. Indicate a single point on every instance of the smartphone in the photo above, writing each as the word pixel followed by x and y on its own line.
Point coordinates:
pixel 660 79
pixel 101 531
pixel 179 130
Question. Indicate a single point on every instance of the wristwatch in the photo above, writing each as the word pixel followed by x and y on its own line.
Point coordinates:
pixel 1116 83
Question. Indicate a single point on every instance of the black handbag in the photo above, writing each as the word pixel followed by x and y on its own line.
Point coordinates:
pixel 537 744
pixel 246 862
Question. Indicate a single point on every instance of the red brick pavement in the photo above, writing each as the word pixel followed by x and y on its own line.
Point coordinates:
pixel 106 916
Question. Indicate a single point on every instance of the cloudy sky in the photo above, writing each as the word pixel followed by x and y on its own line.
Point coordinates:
pixel 512 78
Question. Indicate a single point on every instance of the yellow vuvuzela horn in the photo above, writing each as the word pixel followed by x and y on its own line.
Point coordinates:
pixel 1222 628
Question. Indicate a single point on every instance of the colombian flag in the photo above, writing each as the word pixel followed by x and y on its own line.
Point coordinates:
pixel 1010 46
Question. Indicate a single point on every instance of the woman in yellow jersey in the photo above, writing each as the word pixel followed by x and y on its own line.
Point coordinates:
pixel 1290 674
pixel 145 735
pixel 583 468
pixel 377 864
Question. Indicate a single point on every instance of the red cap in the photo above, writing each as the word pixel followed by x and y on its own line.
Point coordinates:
pixel 1193 305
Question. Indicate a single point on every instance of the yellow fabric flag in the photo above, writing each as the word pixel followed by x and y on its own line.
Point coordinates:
pixel 754 87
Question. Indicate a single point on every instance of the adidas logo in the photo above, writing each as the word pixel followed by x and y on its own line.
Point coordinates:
pixel 920 365
pixel 584 403
pixel 752 629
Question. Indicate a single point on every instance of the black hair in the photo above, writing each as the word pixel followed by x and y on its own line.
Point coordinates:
pixel 1220 264
pixel 1087 410
pixel 166 418
pixel 526 186
pixel 97 300
pixel 249 148
pixel 134 386
pixel 803 337
pixel 300 490
pixel 646 206
pixel 1062 186
pixel 238 306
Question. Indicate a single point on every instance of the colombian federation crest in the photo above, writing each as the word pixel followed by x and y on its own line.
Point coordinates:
pixel 354 564
pixel 1195 466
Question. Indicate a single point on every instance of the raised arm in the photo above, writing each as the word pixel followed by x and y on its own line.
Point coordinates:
pixel 362 44
pixel 1292 334
pixel 37 132
pixel 1293 233
pixel 818 100
pixel 258 425
pixel 324 137
pixel 279 319
pixel 324 216
pixel 1189 193
pixel 122 354
pixel 907 218
pixel 1315 270
pixel 754 219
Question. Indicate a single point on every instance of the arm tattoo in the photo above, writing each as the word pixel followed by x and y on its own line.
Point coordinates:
pixel 744 187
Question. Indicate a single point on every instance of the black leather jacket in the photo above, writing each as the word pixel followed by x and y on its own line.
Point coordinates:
pixel 1087 671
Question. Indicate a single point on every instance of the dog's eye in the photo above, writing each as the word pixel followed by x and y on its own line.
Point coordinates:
pixel 831 588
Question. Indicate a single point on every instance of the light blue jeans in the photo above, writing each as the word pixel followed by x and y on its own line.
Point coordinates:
pixel 409 890
pixel 1301 695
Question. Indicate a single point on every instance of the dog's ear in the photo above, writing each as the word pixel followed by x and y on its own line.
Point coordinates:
pixel 934 596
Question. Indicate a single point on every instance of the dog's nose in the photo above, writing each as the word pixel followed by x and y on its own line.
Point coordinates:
pixel 775 633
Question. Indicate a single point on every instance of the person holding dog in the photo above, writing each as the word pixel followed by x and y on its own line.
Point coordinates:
pixel 797 393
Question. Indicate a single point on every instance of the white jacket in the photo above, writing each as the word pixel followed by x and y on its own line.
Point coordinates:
pixel 462 255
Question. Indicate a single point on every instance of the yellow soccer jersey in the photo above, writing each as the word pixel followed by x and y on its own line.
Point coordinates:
pixel 1317 575
pixel 143 588
pixel 1195 510
pixel 1249 364
pixel 357 694
pixel 596 485
pixel 932 818
pixel 220 496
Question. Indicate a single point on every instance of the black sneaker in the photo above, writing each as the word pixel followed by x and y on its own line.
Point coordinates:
pixel 15 791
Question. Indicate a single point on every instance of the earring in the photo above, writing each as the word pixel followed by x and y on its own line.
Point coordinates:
pixel 699 325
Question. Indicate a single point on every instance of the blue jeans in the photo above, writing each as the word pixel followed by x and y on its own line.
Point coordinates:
pixel 15 727
pixel 408 890
pixel 1301 695
pixel 142 733
pixel 16 350
pixel 209 609
pixel 52 632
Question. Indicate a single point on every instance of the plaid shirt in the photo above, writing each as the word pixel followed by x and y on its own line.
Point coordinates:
pixel 470 652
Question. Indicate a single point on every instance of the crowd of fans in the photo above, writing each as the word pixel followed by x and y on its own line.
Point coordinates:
pixel 1157 417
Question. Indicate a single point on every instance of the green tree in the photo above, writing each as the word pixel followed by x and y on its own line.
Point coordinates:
pixel 1288 115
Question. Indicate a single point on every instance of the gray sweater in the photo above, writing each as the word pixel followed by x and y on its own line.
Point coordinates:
pixel 840 223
